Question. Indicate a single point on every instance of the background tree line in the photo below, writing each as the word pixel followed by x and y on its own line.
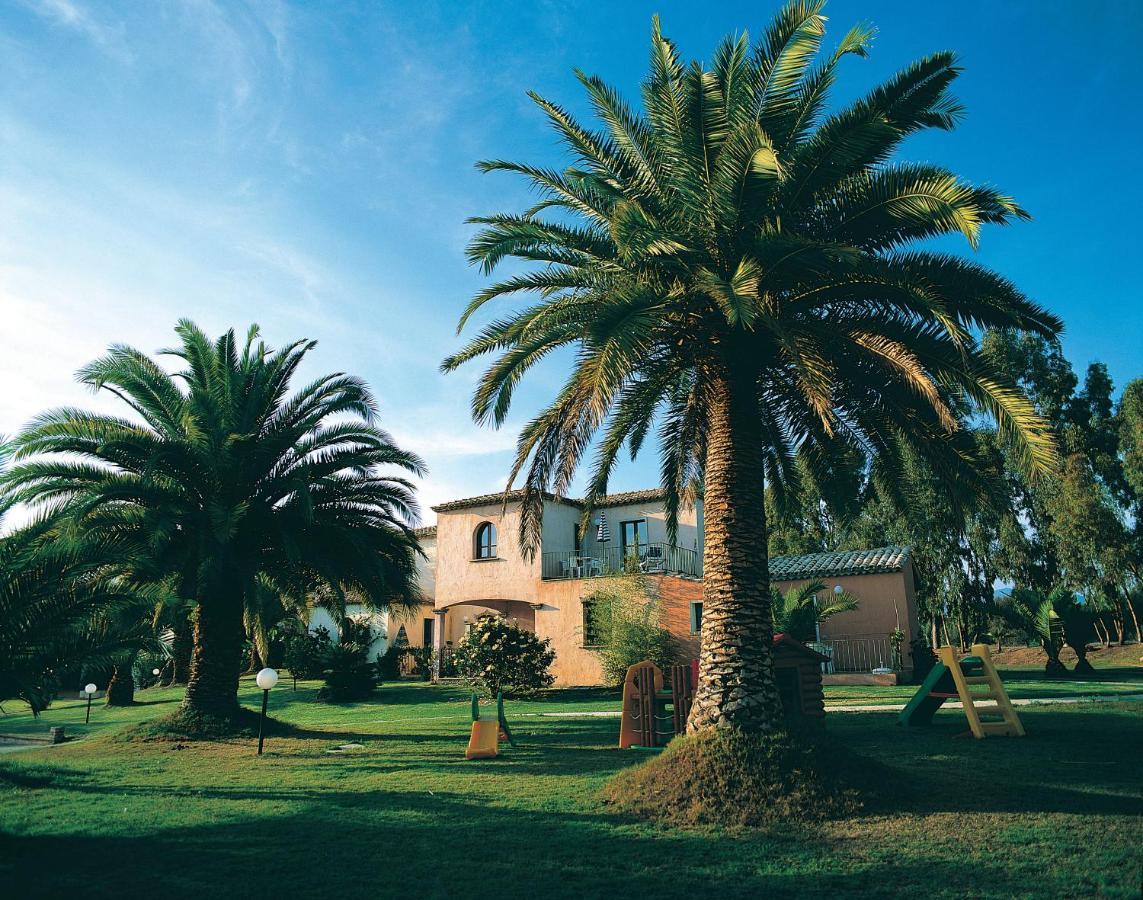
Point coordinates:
pixel 1077 531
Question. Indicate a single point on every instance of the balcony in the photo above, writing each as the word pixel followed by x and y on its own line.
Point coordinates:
pixel 647 559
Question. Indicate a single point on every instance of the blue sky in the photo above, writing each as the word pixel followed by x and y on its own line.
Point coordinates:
pixel 309 167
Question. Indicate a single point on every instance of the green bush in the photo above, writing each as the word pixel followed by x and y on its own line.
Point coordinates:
pixel 497 655
pixel 349 675
pixel 422 661
pixel 923 658
pixel 628 628
pixel 306 653
pixel 389 663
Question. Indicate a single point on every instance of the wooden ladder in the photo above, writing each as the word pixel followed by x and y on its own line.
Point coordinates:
pixel 1008 724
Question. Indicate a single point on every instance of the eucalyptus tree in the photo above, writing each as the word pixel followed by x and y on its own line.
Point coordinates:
pixel 230 483
pixel 740 271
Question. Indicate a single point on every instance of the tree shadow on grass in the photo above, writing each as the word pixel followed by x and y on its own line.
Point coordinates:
pixel 1069 762
pixel 422 844
pixel 156 702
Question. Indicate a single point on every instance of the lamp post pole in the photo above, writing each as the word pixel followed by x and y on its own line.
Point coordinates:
pixel 262 718
pixel 90 690
pixel 266 679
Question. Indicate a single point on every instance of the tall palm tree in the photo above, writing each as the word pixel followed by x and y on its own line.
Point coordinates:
pixel 734 268
pixel 229 482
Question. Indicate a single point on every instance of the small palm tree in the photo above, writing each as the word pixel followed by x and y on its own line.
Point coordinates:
pixel 227 482
pixel 799 612
pixel 64 603
pixel 1036 614
pixel 736 268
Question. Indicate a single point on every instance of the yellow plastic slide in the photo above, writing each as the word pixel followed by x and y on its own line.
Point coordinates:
pixel 484 740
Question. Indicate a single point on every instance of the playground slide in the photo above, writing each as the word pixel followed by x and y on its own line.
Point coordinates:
pixel 939 686
pixel 921 709
pixel 483 743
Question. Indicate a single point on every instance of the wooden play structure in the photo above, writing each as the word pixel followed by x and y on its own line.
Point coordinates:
pixel 953 678
pixel 653 715
pixel 798 671
pixel 487 732
pixel 655 710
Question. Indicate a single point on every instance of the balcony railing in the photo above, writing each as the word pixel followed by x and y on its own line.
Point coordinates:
pixel 856 653
pixel 646 559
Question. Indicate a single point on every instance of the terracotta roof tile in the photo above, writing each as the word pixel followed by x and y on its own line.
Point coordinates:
pixel 846 562
pixel 647 496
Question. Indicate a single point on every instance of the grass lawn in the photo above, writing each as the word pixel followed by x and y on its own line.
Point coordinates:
pixel 1029 684
pixel 1055 814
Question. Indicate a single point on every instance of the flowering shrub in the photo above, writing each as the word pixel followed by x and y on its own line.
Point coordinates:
pixel 497 655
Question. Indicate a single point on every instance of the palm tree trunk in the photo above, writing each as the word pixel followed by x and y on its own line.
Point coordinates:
pixel 121 687
pixel 181 647
pixel 216 659
pixel 736 684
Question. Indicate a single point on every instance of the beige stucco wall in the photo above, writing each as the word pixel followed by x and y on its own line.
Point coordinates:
pixel 457 618
pixel 427 567
pixel 883 601
pixel 559 534
pixel 413 622
pixel 460 578
pixel 560 618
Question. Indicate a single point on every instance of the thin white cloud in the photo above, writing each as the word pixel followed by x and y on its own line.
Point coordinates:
pixel 69 14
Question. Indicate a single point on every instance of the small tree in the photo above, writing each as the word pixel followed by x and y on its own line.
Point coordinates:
pixel 627 623
pixel 1076 623
pixel 1031 610
pixel 349 674
pixel 497 655
pixel 306 653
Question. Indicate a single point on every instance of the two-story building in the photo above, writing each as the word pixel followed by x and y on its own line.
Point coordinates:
pixel 475 565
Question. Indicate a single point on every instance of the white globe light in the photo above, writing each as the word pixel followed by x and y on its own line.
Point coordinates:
pixel 91 689
pixel 266 679
pixel 837 589
pixel 154 671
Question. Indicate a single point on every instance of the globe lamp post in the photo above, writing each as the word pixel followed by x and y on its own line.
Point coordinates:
pixel 266 679
pixel 90 690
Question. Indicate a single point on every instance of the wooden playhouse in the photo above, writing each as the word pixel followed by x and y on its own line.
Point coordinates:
pixel 654 712
pixel 798 671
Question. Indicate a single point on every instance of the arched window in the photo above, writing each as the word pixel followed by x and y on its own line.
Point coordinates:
pixel 485 543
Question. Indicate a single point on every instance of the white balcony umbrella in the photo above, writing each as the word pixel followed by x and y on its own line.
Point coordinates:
pixel 602 531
